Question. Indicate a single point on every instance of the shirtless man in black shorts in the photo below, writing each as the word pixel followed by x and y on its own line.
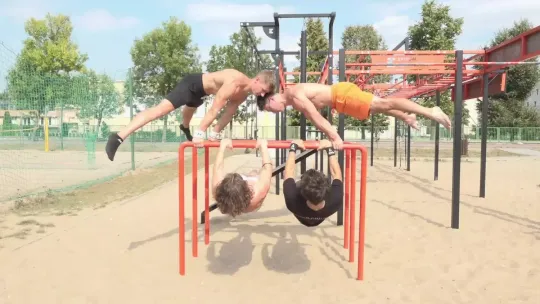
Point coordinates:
pixel 313 198
pixel 230 87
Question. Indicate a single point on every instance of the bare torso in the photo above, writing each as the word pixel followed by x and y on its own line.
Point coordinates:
pixel 319 94
pixel 213 81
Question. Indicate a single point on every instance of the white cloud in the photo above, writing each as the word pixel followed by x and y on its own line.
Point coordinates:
pixel 483 19
pixel 21 10
pixel 393 29
pixel 102 20
pixel 230 12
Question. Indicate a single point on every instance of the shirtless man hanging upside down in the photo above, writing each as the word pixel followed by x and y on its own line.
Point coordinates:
pixel 348 99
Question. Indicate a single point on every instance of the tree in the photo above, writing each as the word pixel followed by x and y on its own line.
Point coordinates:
pixel 7 123
pixel 436 30
pixel 42 74
pixel 365 37
pixel 49 48
pixel 102 101
pixel 508 108
pixel 316 40
pixel 161 58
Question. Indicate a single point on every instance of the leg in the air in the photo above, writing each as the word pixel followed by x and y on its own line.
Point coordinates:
pixel 383 105
pixel 409 119
pixel 187 114
pixel 146 116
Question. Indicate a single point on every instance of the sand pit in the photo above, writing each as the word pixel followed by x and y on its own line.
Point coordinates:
pixel 27 171
pixel 128 252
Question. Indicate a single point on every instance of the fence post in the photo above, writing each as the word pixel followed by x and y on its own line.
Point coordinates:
pixel 62 125
pixel 130 102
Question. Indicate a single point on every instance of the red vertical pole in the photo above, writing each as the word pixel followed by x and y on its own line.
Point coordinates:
pixel 352 203
pixel 362 216
pixel 347 186
pixel 194 222
pixel 206 195
pixel 181 216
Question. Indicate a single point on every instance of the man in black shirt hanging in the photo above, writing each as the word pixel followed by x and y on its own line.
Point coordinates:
pixel 313 198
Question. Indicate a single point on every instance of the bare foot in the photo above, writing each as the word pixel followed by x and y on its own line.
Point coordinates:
pixel 440 117
pixel 411 121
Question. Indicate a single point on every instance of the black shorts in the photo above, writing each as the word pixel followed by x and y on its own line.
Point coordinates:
pixel 189 91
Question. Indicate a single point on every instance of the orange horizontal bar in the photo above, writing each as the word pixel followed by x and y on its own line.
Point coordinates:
pixel 402 71
pixel 272 144
pixel 298 73
pixel 441 52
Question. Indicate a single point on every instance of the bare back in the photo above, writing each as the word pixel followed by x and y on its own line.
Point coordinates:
pixel 319 94
pixel 213 81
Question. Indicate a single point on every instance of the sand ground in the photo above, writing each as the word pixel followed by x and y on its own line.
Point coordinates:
pixel 128 252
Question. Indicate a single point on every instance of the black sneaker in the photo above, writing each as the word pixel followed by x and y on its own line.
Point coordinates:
pixel 186 132
pixel 112 145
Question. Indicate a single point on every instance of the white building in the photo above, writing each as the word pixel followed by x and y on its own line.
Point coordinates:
pixel 533 100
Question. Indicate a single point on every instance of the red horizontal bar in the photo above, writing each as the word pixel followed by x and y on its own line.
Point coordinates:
pixel 440 64
pixel 272 144
pixel 441 52
pixel 403 71
pixel 298 73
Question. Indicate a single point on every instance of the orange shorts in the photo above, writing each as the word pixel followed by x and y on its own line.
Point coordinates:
pixel 347 98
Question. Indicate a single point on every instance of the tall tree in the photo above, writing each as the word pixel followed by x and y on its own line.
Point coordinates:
pixel 508 109
pixel 41 76
pixel 103 101
pixel 365 37
pixel 436 30
pixel 161 58
pixel 316 40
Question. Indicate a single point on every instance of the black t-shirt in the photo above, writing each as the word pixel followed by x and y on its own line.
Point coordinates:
pixel 297 204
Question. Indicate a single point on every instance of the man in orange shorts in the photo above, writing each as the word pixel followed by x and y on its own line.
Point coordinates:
pixel 346 98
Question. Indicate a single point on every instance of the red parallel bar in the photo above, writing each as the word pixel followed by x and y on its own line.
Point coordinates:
pixel 408 71
pixel 352 206
pixel 194 228
pixel 362 216
pixel 181 216
pixel 298 73
pixel 272 144
pixel 206 195
pixel 441 52
pixel 347 205
pixel 440 64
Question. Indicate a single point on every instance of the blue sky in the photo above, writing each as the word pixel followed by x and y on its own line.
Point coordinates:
pixel 105 30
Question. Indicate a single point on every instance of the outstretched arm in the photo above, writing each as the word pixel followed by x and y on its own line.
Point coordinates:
pixel 265 174
pixel 291 160
pixel 305 105
pixel 335 169
pixel 217 171
pixel 227 115
pixel 225 92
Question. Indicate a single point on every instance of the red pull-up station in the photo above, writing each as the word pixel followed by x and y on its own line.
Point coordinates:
pixel 349 195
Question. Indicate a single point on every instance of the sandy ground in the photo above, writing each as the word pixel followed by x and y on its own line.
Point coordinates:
pixel 128 252
pixel 27 171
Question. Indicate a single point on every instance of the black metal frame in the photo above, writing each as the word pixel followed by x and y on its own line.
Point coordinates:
pixel 271 29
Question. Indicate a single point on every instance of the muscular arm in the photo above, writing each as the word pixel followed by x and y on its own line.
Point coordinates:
pixel 217 172
pixel 335 169
pixel 290 166
pixel 263 183
pixel 227 115
pixel 303 104
pixel 225 92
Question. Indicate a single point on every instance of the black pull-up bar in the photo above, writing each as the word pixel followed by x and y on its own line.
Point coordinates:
pixel 276 171
pixel 285 16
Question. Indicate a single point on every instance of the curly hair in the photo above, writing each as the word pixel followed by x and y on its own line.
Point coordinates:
pixel 233 195
pixel 314 186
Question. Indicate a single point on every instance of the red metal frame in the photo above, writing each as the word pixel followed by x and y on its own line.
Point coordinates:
pixel 349 197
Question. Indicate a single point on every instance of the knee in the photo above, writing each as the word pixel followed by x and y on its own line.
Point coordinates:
pixel 163 108
pixel 382 105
